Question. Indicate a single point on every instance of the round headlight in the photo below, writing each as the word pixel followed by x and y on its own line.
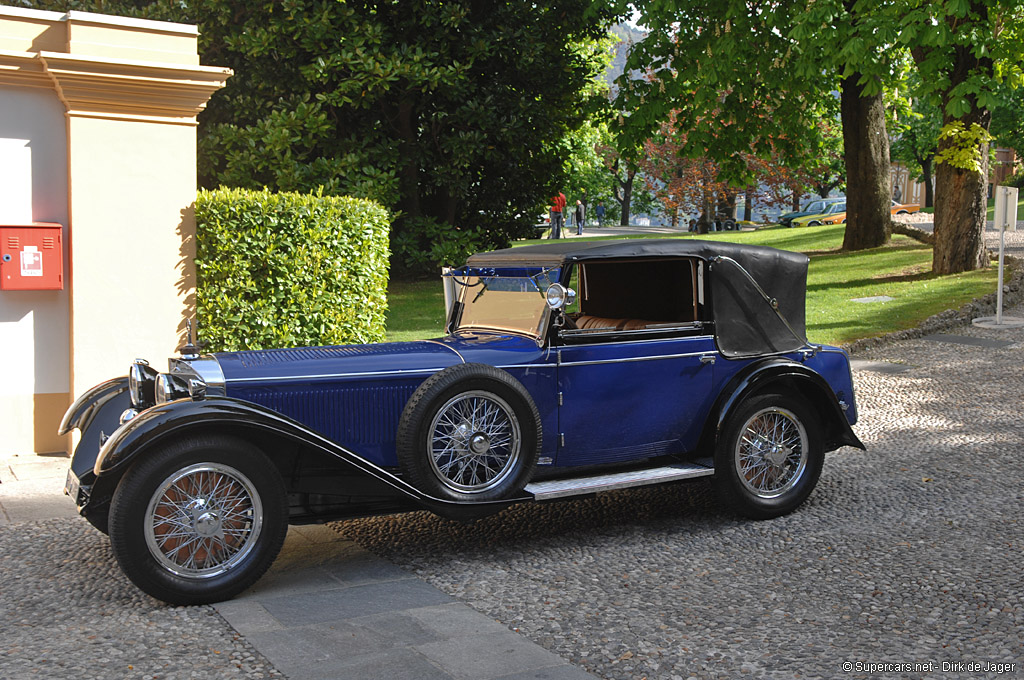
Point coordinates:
pixel 170 387
pixel 141 382
pixel 559 297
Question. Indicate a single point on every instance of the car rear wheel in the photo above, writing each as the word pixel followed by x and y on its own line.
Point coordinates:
pixel 198 521
pixel 469 433
pixel 769 457
pixel 814 223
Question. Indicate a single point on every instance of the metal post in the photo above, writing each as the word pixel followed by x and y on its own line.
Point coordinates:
pixel 1005 212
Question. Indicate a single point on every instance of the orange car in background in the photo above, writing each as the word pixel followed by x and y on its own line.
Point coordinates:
pixel 896 209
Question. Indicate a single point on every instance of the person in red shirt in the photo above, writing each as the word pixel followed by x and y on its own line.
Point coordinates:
pixel 557 214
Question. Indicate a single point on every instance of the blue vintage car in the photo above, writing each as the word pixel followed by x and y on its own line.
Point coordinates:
pixel 675 360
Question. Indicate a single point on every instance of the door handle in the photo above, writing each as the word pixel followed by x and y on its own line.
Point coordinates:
pixel 707 359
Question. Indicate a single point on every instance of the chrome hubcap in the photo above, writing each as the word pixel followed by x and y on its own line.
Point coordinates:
pixel 474 442
pixel 771 454
pixel 203 520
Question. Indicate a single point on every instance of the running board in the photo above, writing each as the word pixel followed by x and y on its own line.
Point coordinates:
pixel 562 488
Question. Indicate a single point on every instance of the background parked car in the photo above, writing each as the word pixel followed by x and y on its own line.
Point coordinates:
pixel 813 207
pixel 830 210
pixel 904 208
pixel 896 209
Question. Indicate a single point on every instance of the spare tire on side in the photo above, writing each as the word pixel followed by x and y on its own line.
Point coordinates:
pixel 470 432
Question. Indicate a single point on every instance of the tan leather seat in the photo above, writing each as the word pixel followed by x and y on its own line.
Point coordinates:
pixel 599 322
pixel 634 324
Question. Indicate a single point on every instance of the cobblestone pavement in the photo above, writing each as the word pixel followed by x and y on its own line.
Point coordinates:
pixel 909 552
pixel 66 611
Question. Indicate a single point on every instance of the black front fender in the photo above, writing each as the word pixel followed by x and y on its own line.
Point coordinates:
pixel 96 413
pixel 765 375
pixel 175 419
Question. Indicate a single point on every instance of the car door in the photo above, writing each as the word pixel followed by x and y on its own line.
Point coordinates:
pixel 625 400
pixel 635 379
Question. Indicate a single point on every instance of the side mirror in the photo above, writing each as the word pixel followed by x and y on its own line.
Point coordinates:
pixel 559 297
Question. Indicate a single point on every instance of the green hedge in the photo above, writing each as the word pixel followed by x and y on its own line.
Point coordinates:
pixel 289 270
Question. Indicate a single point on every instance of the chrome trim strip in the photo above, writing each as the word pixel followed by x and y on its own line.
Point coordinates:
pixel 325 376
pixel 457 353
pixel 624 360
pixel 688 338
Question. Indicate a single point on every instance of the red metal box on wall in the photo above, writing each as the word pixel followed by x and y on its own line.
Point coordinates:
pixel 30 257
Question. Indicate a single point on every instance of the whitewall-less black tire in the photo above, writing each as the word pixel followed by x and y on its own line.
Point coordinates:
pixel 769 456
pixel 199 520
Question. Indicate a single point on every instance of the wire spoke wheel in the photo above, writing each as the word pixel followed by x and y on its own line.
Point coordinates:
pixel 771 453
pixel 474 442
pixel 203 520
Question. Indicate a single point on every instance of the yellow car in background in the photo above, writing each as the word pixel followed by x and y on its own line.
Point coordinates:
pixel 904 208
pixel 814 220
pixel 895 209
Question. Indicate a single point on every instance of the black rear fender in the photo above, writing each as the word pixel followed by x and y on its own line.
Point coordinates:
pixel 783 376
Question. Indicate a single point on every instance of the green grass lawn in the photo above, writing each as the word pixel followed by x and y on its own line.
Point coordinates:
pixel 901 270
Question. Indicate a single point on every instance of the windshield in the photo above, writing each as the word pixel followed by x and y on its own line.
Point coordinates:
pixel 506 303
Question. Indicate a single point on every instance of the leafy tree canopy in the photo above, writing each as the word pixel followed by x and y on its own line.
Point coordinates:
pixel 451 112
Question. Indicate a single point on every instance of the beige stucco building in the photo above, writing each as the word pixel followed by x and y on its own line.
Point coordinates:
pixel 98 134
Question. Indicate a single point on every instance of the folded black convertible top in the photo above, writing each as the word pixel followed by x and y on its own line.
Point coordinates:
pixel 745 324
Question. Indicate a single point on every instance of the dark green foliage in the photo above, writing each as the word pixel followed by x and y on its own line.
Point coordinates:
pixel 279 270
pixel 1015 180
pixel 426 242
pixel 449 113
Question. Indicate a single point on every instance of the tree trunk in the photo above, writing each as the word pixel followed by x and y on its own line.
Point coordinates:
pixel 626 196
pixel 403 119
pixel 748 204
pixel 960 194
pixel 929 191
pixel 796 200
pixel 960 207
pixel 866 146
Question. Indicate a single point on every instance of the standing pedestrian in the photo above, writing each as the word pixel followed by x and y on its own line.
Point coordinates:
pixel 897 193
pixel 581 212
pixel 557 214
pixel 600 214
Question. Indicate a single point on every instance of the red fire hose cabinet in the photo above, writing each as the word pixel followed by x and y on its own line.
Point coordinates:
pixel 30 257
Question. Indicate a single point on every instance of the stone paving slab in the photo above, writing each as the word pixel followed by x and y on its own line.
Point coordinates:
pixel 32 487
pixel 329 609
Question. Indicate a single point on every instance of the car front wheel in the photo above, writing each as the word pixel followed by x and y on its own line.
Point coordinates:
pixel 198 521
pixel 769 456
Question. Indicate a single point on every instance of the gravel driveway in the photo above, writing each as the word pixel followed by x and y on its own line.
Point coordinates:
pixel 908 553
